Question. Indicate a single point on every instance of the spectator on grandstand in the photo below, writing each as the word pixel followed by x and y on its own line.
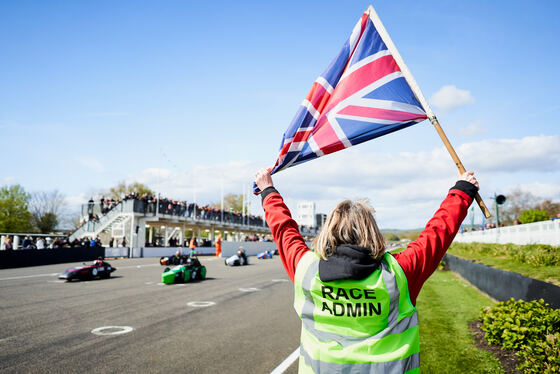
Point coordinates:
pixel 348 274
pixel 123 242
pixel 40 243
pixel 27 243
pixel 7 244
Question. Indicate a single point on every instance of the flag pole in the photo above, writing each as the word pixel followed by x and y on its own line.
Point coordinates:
pixel 416 89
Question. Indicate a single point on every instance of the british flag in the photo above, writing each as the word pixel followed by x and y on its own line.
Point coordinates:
pixel 362 95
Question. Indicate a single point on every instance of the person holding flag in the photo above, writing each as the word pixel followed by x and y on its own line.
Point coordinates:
pixel 357 302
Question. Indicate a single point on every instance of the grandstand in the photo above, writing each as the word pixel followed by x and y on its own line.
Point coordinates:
pixel 137 221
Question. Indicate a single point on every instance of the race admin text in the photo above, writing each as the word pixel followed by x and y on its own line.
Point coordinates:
pixel 363 304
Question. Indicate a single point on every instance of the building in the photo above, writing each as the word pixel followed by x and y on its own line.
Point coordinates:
pixel 306 213
pixel 320 219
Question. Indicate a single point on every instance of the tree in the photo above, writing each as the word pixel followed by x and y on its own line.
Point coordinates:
pixel 46 208
pixel 14 214
pixel 552 209
pixel 231 201
pixel 533 215
pixel 516 202
pixel 47 223
pixel 123 189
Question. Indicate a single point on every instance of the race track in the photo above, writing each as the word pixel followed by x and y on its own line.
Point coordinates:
pixel 250 326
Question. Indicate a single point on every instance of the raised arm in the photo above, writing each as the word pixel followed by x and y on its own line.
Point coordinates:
pixel 422 257
pixel 285 232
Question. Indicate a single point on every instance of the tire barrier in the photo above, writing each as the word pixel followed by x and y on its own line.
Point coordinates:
pixel 37 257
pixel 503 285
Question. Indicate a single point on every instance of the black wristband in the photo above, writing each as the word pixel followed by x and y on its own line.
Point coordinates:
pixel 467 187
pixel 267 191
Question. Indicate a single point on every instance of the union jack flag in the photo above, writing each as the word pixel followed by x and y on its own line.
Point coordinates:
pixel 362 95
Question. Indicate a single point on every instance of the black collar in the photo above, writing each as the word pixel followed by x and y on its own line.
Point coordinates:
pixel 348 261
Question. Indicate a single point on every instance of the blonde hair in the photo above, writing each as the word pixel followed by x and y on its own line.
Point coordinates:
pixel 350 222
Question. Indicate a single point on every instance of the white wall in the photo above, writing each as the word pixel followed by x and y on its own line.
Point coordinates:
pixel 545 232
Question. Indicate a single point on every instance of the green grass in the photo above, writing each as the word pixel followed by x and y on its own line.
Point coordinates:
pixel 533 260
pixel 445 305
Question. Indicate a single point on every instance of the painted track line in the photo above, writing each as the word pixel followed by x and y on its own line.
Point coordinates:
pixel 286 363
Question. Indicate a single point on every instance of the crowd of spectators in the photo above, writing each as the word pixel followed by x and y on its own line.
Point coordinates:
pixel 149 205
pixel 40 242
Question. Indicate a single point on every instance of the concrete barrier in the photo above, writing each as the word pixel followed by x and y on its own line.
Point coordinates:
pixel 501 284
pixel 117 252
pixel 228 249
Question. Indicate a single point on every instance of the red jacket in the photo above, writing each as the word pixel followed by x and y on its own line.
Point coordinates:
pixel 419 260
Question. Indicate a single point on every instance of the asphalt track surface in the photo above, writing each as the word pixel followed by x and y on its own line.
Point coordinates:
pixel 46 324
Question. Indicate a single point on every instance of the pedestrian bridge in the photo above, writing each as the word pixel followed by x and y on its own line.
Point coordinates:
pixel 140 224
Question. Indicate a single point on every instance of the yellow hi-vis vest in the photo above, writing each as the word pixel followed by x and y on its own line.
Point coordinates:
pixel 356 326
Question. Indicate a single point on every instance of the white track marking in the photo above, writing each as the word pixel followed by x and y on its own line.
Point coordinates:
pixel 280 280
pixel 149 282
pixel 201 304
pixel 137 266
pixel 286 363
pixel 120 330
pixel 250 289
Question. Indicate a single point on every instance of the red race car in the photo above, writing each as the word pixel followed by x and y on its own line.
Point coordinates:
pixel 99 269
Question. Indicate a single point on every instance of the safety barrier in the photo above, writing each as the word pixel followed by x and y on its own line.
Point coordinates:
pixel 544 232
pixel 501 284
pixel 37 257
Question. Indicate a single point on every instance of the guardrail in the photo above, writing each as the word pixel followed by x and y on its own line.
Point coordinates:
pixel 544 232
pixel 502 284
pixel 36 257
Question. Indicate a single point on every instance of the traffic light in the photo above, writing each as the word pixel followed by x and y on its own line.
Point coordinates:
pixel 499 200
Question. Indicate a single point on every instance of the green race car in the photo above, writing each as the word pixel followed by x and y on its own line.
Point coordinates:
pixel 191 270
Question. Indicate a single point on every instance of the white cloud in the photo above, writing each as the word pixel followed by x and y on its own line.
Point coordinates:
pixel 92 164
pixel 450 97
pixel 473 129
pixel 531 153
pixel 8 180
pixel 542 190
pixel 405 188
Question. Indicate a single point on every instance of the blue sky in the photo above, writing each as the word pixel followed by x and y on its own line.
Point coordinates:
pixel 198 94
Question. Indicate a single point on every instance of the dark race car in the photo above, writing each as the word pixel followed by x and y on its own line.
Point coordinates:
pixel 192 269
pixel 99 269
pixel 177 259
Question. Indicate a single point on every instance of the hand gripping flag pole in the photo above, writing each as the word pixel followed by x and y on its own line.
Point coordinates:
pixel 416 89
pixel 366 92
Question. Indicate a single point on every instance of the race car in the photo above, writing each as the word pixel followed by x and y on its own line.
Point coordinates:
pixel 237 259
pixel 191 270
pixel 264 255
pixel 177 259
pixel 173 260
pixel 99 269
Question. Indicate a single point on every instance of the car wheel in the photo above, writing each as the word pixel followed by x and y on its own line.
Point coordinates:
pixel 187 275
pixel 94 272
pixel 202 272
pixel 225 262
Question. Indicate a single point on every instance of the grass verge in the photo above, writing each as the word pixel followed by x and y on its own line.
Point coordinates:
pixel 445 306
pixel 537 261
